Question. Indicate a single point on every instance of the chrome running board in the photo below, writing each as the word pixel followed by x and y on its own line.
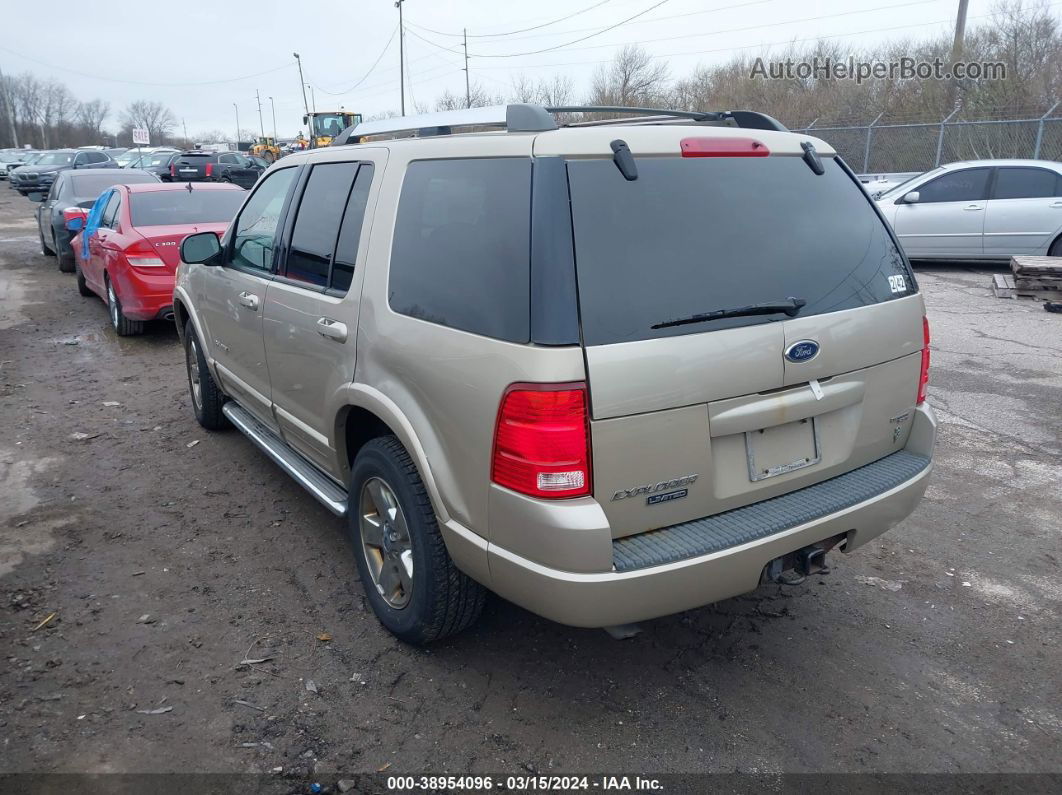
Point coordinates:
pixel 305 474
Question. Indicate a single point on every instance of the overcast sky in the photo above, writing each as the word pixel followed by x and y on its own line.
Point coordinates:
pixel 188 55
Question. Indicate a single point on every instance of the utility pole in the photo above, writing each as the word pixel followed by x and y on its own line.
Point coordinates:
pixel 313 98
pixel 237 124
pixel 261 123
pixel 401 55
pixel 302 82
pixel 273 105
pixel 468 91
pixel 185 127
pixel 956 51
pixel 10 110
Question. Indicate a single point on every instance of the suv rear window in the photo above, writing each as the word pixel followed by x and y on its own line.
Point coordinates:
pixel 461 251
pixel 693 235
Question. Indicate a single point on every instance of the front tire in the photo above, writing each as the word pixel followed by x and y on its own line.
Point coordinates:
pixel 207 399
pixel 1056 248
pixel 414 588
pixel 123 326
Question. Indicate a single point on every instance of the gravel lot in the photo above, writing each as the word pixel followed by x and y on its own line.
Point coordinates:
pixel 936 650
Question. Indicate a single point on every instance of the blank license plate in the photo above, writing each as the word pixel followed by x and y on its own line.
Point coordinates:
pixel 783 448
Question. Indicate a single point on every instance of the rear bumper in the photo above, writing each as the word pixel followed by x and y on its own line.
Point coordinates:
pixel 625 594
pixel 146 294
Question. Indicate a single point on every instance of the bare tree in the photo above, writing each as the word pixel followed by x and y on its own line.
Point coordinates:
pixel 91 116
pixel 633 77
pixel 155 117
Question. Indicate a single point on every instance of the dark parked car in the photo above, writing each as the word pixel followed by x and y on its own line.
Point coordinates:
pixel 71 192
pixel 215 167
pixel 26 159
pixel 158 163
pixel 41 174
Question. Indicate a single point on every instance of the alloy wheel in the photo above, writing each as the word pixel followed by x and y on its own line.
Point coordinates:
pixel 386 543
pixel 193 374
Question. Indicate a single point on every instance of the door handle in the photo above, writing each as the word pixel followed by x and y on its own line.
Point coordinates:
pixel 973 207
pixel 332 329
pixel 249 299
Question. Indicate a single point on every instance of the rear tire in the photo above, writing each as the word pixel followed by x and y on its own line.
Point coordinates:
pixel 207 399
pixel 82 285
pixel 414 588
pixel 45 249
pixel 122 325
pixel 1056 248
pixel 64 261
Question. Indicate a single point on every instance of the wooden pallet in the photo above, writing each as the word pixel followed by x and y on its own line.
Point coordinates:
pixel 1039 278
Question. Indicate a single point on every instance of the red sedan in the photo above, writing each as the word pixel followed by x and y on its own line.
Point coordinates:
pixel 128 250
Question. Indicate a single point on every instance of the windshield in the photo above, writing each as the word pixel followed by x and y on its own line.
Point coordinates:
pixel 89 185
pixel 55 159
pixel 328 124
pixel 692 236
pixel 8 157
pixel 896 189
pixel 126 158
pixel 171 207
pixel 161 159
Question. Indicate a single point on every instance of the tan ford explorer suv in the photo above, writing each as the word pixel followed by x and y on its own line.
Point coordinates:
pixel 609 370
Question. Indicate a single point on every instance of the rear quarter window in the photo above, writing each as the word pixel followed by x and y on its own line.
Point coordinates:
pixel 461 250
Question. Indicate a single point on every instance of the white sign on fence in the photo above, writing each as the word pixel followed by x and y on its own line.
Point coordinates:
pixel 141 137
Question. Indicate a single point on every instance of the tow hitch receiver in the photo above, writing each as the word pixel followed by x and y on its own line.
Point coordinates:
pixel 804 562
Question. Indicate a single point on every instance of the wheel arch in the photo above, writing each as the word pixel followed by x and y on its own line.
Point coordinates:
pixel 368 414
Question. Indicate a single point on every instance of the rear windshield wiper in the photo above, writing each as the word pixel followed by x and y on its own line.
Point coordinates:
pixel 790 306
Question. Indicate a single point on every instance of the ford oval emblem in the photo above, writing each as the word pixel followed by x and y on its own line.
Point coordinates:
pixel 802 351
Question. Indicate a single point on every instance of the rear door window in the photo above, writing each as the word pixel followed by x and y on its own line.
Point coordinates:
pixel 693 235
pixel 460 255
pixel 967 185
pixel 1025 183
pixel 110 212
pixel 313 240
pixel 350 231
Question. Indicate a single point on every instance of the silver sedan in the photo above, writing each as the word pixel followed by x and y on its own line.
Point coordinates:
pixel 979 210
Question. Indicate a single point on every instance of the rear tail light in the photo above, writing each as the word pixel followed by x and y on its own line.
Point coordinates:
pixel 209 169
pixel 723 147
pixel 143 255
pixel 173 169
pixel 923 377
pixel 542 441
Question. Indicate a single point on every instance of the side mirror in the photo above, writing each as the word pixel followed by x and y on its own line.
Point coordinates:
pixel 35 196
pixel 911 198
pixel 76 224
pixel 202 248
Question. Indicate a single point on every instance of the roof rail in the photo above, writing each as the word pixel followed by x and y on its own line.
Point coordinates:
pixel 536 118
pixel 511 118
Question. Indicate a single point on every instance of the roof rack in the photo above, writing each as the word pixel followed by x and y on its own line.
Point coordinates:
pixel 538 118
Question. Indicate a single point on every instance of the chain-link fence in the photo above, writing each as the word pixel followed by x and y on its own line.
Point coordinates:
pixel 874 148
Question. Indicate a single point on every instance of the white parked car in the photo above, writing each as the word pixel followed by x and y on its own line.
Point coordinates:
pixel 979 210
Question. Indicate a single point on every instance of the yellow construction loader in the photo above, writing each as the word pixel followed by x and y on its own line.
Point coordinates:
pixel 267 149
pixel 326 125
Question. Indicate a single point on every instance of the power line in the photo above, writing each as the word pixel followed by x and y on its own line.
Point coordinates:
pixel 576 41
pixel 652 21
pixel 754 46
pixel 144 82
pixel 364 76
pixel 512 32
pixel 432 43
pixel 738 30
